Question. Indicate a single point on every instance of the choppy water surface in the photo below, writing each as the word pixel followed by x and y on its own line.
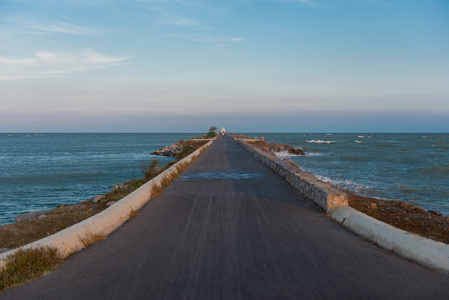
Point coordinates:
pixel 41 171
pixel 409 167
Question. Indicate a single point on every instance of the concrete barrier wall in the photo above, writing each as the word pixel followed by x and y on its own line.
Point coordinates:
pixel 73 239
pixel 324 194
pixel 424 251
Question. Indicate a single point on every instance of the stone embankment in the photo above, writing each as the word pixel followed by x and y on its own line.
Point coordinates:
pixel 170 151
pixel 179 148
pixel 274 148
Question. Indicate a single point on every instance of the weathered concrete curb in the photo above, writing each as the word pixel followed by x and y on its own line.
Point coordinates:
pixel 73 239
pixel 424 251
pixel 324 194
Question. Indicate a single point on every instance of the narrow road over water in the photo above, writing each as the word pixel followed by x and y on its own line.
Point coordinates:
pixel 230 228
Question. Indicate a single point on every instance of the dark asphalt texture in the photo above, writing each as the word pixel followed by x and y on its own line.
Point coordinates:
pixel 230 228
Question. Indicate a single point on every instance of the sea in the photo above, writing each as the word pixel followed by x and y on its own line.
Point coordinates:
pixel 44 170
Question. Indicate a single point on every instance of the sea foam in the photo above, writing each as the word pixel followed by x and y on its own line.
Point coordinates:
pixel 320 142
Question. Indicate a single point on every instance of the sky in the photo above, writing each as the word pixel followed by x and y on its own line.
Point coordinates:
pixel 246 65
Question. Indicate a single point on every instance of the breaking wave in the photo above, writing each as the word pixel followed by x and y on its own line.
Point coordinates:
pixel 316 154
pixel 345 184
pixel 285 154
pixel 320 142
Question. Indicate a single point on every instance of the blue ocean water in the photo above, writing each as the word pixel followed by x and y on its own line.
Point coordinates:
pixel 42 171
pixel 409 167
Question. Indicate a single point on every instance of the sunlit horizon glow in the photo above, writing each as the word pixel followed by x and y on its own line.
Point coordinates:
pixel 249 66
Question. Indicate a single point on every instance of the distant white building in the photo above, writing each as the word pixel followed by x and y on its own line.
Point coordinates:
pixel 223 130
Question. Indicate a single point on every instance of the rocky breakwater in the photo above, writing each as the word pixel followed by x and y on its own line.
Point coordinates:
pixel 170 151
pixel 274 148
pixel 180 149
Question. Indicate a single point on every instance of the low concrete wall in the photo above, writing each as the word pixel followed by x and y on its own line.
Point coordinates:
pixel 324 194
pixel 426 252
pixel 72 239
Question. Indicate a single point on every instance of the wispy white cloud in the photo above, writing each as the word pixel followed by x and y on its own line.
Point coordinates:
pixel 16 61
pixel 64 28
pixel 20 25
pixel 179 21
pixel 74 3
pixel 44 64
pixel 204 38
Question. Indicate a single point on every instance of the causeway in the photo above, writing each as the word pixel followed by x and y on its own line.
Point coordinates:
pixel 231 228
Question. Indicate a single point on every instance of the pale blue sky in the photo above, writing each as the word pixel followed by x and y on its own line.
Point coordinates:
pixel 247 65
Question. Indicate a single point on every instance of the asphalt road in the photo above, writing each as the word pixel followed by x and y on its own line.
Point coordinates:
pixel 230 228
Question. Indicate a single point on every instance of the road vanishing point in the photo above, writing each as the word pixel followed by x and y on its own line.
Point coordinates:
pixel 231 228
